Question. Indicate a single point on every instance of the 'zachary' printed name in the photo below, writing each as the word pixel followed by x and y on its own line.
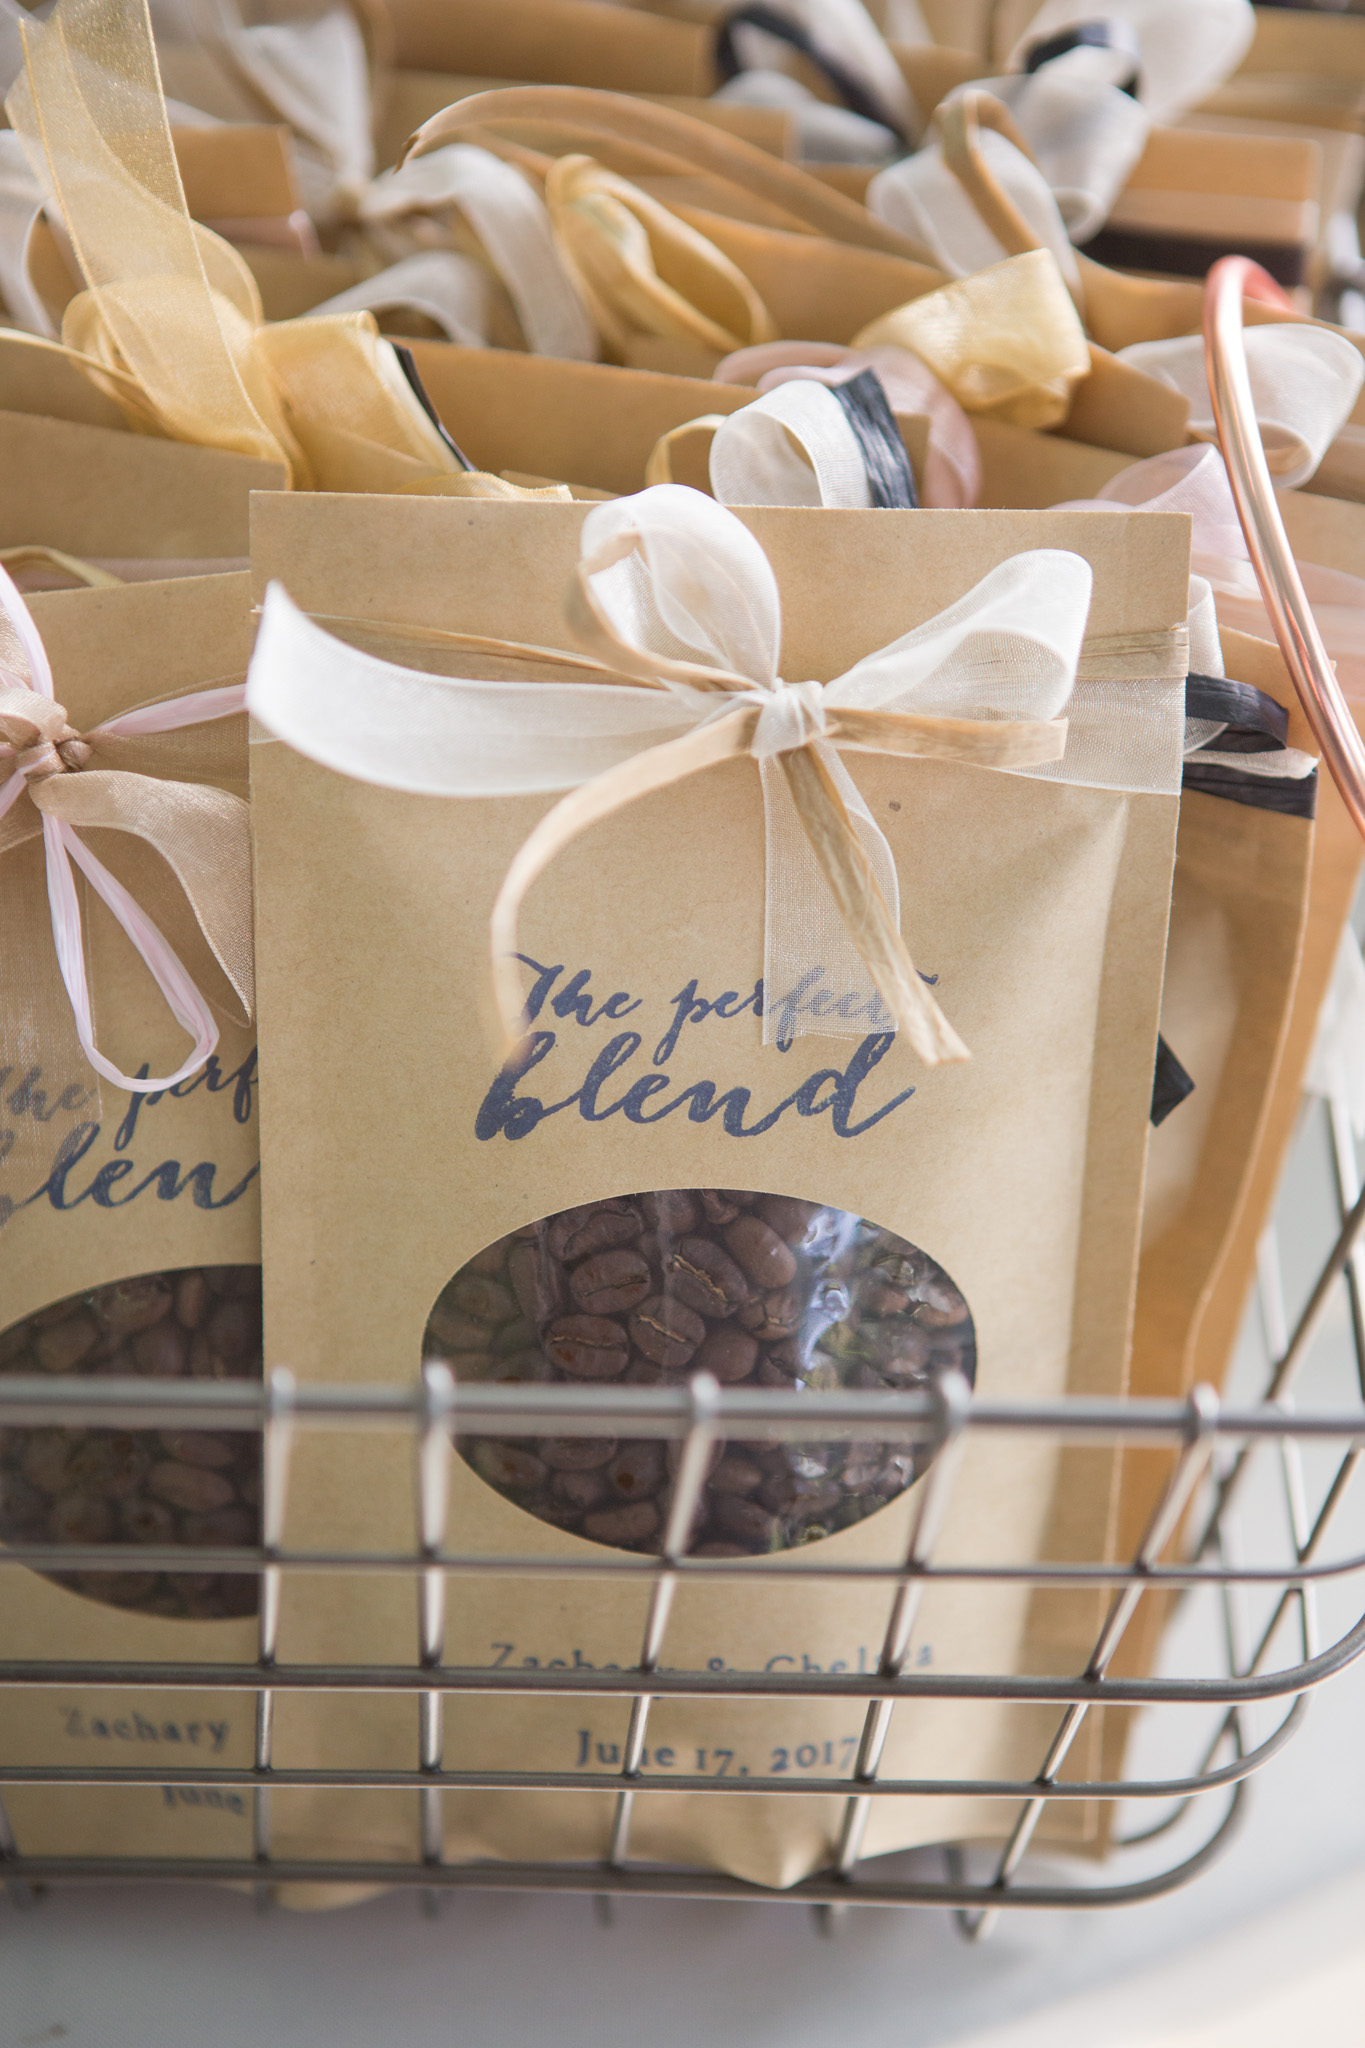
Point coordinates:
pixel 509 1112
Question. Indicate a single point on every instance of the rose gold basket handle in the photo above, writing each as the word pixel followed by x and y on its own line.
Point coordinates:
pixel 1231 281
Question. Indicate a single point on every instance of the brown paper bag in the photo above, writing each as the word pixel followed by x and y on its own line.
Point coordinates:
pixel 569 42
pixel 1046 1123
pixel 107 495
pixel 130 1243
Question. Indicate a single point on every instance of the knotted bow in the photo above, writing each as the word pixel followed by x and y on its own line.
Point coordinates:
pixel 200 831
pixel 677 604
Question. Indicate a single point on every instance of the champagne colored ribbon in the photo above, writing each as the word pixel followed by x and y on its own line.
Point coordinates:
pixel 1006 342
pixel 200 831
pixel 952 469
pixel 675 600
pixel 1194 481
pixel 642 270
pixel 171 314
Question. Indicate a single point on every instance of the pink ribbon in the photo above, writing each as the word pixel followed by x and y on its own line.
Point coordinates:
pixel 52 749
pixel 1194 480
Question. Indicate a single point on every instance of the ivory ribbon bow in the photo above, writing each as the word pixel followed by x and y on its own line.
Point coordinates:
pixel 200 831
pixel 677 602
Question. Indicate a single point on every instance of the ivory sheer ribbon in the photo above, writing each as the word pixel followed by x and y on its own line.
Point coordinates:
pixel 848 32
pixel 824 134
pixel 952 469
pixel 1084 132
pixel 171 321
pixel 923 196
pixel 793 446
pixel 677 601
pixel 1185 48
pixel 311 71
pixel 1304 380
pixel 514 228
pixel 1006 342
pixel 49 788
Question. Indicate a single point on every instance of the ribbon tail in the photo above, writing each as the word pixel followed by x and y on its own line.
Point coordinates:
pixel 871 924
pixel 203 835
pixel 722 739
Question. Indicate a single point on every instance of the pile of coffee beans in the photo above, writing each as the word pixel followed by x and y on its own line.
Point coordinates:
pixel 645 1290
pixel 91 1486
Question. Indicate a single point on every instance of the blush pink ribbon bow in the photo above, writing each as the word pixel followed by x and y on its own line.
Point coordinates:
pixel 200 831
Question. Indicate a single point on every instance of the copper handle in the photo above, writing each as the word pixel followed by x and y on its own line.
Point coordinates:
pixel 1231 281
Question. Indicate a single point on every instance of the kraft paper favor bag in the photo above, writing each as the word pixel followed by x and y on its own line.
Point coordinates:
pixel 129 1217
pixel 401 1153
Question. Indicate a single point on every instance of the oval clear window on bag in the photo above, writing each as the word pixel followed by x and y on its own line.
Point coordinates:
pixel 645 1290
pixel 96 1486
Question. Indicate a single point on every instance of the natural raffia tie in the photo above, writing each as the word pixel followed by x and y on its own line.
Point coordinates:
pixel 672 569
pixel 51 790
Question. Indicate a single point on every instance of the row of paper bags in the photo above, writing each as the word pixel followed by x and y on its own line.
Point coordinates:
pixel 633 806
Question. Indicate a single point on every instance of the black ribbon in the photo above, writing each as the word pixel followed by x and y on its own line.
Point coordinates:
pixel 890 479
pixel 1170 1083
pixel 1082 35
pixel 1256 724
pixel 851 90
pixel 419 392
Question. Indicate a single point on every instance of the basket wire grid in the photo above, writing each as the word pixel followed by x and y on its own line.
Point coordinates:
pixel 1267 1661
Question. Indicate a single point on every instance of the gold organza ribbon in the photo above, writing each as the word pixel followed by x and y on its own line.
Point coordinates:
pixel 170 324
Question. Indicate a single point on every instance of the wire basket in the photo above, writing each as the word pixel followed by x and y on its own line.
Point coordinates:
pixel 1226 1720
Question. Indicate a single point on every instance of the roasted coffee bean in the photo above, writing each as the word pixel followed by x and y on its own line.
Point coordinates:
pixel 191 1300
pixel 610 1283
pixel 131 1305
pixel 624 1526
pixel 789 1218
pixel 735 1475
pixel 702 1275
pixel 754 1289
pixel 744 1521
pixel 112 1464
pixel 774 1316
pixel 672 1214
pixel 728 1354
pixel 588 1347
pixel 666 1331
pixel 508 1465
pixel 78 1518
pixel 760 1253
pixel 637 1471
pixel 599 1227
pixel 189 1486
pixel 95 1486
pixel 536 1281
pixel 162 1352
pixel 225 1529
pixel 62 1346
pixel 580 1490
pixel 576 1453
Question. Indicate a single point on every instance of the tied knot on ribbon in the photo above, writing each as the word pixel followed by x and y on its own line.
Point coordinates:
pixel 676 606
pixel 789 716
pixel 35 734
pixel 200 832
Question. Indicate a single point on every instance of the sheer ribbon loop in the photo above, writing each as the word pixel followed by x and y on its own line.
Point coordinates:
pixel 200 831
pixel 678 600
